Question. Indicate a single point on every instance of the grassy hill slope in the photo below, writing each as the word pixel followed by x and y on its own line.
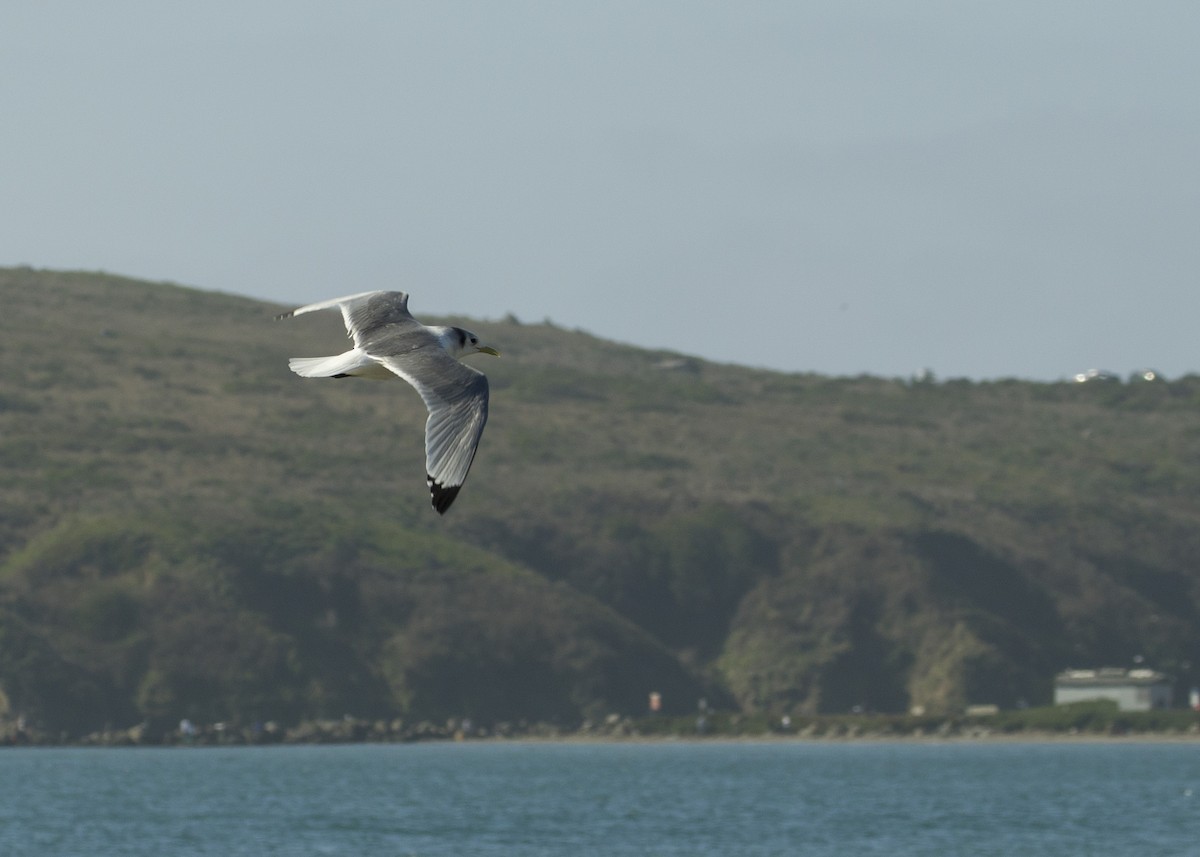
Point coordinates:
pixel 188 529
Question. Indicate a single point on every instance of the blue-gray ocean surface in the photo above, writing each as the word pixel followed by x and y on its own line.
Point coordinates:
pixel 605 799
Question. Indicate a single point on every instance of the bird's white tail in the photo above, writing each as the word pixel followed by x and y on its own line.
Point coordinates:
pixel 353 362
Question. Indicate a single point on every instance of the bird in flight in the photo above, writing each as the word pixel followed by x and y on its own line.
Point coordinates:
pixel 389 342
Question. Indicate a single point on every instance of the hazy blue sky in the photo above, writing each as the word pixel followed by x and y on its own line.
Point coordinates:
pixel 984 190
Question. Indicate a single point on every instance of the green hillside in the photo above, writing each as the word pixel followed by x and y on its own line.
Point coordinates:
pixel 190 530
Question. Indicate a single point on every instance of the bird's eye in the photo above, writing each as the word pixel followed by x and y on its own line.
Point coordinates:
pixel 474 341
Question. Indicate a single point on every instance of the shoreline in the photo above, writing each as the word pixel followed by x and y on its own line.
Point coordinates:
pixel 1075 723
pixel 122 738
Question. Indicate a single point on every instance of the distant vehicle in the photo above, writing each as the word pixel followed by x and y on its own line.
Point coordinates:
pixel 1096 375
pixel 1146 375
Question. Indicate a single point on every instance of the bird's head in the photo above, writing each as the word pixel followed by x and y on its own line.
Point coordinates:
pixel 468 343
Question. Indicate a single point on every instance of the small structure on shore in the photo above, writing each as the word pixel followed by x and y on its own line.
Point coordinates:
pixel 1131 690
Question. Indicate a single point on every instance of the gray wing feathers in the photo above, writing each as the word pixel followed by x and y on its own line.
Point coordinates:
pixel 457 398
pixel 381 313
pixel 333 303
pixel 365 313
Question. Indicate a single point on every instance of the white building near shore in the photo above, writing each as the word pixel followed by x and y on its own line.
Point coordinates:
pixel 1131 690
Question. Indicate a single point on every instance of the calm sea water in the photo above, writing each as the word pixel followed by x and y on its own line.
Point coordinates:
pixel 604 799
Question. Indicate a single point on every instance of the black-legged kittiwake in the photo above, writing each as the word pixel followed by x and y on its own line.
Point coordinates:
pixel 389 341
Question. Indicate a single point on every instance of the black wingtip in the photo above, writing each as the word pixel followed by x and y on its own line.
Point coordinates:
pixel 440 495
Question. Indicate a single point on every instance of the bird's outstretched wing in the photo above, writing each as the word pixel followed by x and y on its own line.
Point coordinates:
pixel 457 398
pixel 366 314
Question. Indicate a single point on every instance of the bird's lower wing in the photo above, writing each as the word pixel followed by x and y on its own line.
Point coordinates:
pixel 457 398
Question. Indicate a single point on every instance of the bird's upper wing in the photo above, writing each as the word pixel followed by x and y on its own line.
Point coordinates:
pixel 457 398
pixel 365 314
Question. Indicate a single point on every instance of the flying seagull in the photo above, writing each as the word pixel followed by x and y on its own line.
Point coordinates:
pixel 388 341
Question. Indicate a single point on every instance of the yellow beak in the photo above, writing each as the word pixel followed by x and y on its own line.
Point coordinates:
pixel 487 349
